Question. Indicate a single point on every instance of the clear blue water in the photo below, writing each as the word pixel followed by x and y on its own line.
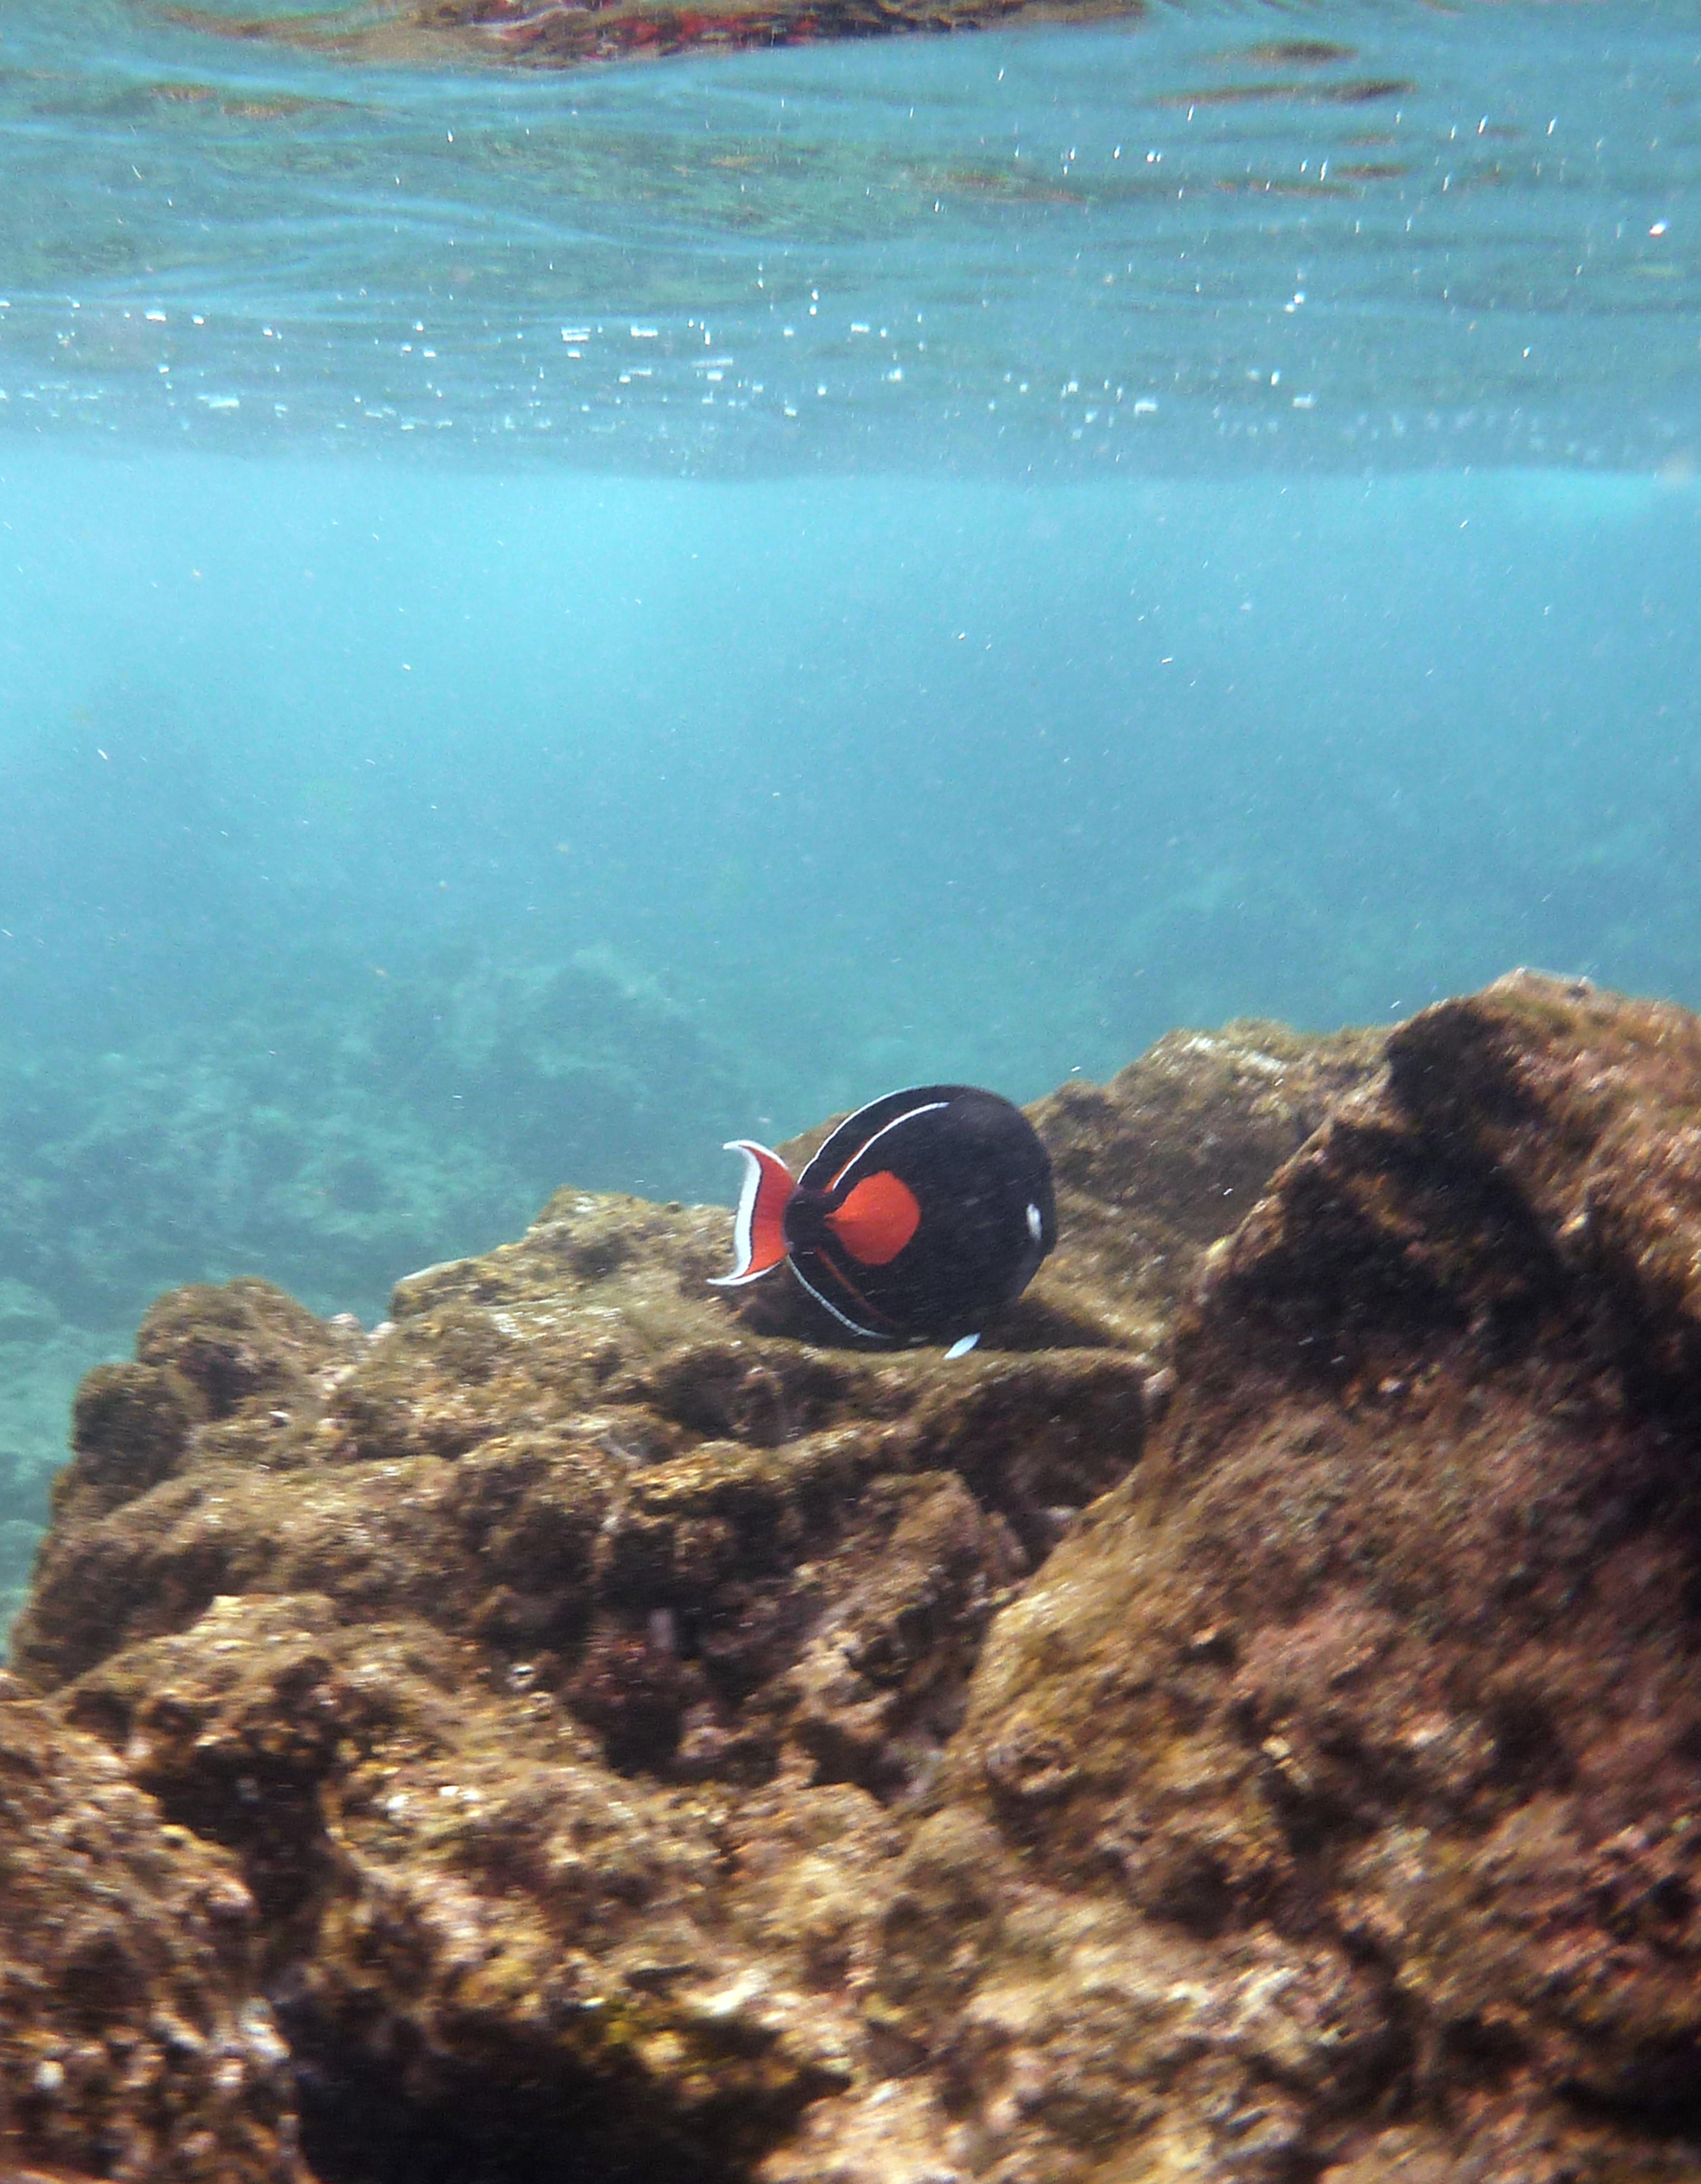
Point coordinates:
pixel 545 620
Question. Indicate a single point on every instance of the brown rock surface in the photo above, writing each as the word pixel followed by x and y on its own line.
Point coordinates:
pixel 1331 1803
pixel 133 2041
pixel 1157 1165
pixel 562 1665
pixel 660 1747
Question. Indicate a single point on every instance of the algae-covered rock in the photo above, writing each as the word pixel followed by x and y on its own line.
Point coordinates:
pixel 1330 1802
pixel 134 2042
pixel 562 1665
pixel 657 1744
pixel 456 1889
pixel 1153 1167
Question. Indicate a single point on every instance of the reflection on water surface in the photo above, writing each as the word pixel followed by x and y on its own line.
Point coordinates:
pixel 1188 241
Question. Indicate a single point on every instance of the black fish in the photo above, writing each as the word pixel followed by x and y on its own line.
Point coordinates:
pixel 920 1217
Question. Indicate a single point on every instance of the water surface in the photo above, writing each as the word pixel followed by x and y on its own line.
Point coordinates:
pixel 1406 235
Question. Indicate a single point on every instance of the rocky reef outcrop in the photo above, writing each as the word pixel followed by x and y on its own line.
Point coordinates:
pixel 1241 1723
pixel 1328 1805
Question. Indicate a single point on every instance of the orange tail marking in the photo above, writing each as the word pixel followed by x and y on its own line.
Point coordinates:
pixel 758 1228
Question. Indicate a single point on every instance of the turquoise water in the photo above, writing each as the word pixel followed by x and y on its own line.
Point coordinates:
pixel 545 621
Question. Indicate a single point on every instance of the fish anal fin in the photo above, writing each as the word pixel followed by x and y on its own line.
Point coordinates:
pixel 856 1326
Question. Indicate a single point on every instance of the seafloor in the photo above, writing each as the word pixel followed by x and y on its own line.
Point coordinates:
pixel 1239 1724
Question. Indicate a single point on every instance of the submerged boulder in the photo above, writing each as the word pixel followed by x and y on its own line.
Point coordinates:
pixel 1240 1723
pixel 1331 1803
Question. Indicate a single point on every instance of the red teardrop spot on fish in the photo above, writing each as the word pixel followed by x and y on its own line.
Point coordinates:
pixel 877 1219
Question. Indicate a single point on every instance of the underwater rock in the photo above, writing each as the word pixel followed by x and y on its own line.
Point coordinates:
pixel 133 2042
pixel 1328 1805
pixel 1153 1167
pixel 562 1663
pixel 592 1437
pixel 1239 1723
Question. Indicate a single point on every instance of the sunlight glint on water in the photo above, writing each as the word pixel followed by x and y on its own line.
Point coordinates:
pixel 1458 237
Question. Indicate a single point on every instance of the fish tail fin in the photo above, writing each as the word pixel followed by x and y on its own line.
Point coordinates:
pixel 758 1228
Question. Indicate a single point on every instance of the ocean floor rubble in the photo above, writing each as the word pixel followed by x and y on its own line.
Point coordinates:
pixel 1240 1723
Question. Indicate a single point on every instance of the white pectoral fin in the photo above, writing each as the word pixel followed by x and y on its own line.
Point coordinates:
pixel 962 1347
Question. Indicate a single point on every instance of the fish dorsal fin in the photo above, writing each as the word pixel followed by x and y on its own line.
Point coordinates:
pixel 857 1133
pixel 758 1227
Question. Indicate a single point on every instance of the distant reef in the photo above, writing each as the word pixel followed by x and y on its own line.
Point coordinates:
pixel 329 1127
pixel 328 1124
pixel 1241 1725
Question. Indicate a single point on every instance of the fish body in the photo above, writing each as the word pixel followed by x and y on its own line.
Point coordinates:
pixel 921 1216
